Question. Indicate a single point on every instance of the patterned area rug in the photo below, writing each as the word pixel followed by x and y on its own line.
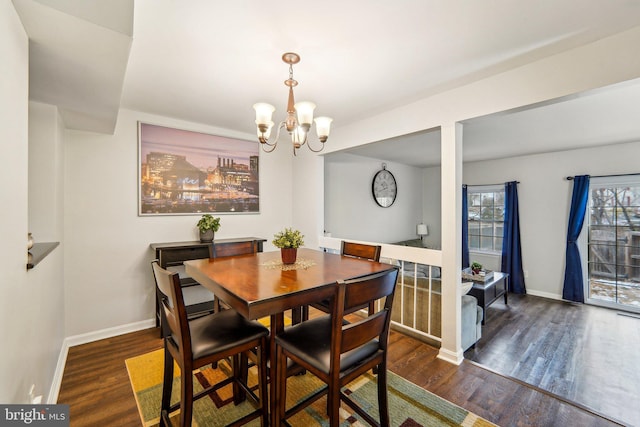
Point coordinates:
pixel 410 405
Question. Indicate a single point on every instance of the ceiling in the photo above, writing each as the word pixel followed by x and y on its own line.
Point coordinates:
pixel 209 62
pixel 601 117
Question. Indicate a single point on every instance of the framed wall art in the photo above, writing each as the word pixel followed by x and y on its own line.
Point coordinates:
pixel 183 172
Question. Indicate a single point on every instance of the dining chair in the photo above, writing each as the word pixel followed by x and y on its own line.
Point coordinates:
pixel 198 300
pixel 355 250
pixel 205 340
pixel 337 352
pixel 360 250
pixel 244 248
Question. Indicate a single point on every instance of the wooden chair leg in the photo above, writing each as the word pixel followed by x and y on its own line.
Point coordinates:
pixel 281 386
pixel 333 405
pixel 186 395
pixel 167 384
pixel 383 403
pixel 262 383
pixel 240 373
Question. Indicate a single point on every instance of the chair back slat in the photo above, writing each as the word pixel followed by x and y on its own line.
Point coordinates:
pixel 172 303
pixel 356 334
pixel 356 292
pixel 360 292
pixel 360 250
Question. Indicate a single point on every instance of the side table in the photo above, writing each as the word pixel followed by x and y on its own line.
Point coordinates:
pixel 487 292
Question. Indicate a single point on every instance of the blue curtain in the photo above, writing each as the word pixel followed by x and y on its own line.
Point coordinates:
pixel 465 228
pixel 573 289
pixel 511 249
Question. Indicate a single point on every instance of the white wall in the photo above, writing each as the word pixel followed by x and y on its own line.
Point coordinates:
pixel 46 313
pixel 432 214
pixel 544 197
pixel 107 256
pixel 350 210
pixel 46 161
pixel 13 227
pixel 31 310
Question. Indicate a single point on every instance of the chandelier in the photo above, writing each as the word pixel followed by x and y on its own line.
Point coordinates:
pixel 298 121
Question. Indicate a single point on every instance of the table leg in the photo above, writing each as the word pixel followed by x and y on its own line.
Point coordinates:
pixel 277 325
pixel 506 289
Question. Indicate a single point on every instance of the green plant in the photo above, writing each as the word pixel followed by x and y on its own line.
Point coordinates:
pixel 476 266
pixel 208 222
pixel 288 238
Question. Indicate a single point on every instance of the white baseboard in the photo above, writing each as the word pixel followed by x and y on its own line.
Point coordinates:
pixel 87 338
pixel 450 356
pixel 544 295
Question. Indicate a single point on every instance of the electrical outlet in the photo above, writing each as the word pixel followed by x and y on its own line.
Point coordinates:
pixel 526 273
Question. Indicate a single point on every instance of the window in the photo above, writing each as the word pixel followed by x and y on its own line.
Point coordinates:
pixel 485 218
pixel 613 253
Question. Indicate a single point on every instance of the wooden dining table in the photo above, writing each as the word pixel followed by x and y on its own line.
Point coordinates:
pixel 259 285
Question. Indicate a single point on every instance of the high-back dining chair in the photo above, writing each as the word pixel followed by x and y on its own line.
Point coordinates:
pixel 355 250
pixel 337 352
pixel 206 340
pixel 245 248
pixel 198 300
pixel 360 250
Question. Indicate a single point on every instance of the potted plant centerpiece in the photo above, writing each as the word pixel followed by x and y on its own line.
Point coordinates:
pixel 208 225
pixel 288 240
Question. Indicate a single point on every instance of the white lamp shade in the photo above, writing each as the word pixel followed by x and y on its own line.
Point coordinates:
pixel 267 134
pixel 422 230
pixel 264 112
pixel 305 112
pixel 323 125
pixel 298 136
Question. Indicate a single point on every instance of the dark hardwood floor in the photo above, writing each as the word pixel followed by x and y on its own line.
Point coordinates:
pixel 588 355
pixel 96 385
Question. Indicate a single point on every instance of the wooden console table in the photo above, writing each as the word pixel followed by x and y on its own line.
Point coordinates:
pixel 220 246
pixel 487 292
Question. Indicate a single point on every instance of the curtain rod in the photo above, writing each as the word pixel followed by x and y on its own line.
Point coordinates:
pixel 570 178
pixel 487 185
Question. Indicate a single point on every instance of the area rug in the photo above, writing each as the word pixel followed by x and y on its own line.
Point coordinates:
pixel 410 405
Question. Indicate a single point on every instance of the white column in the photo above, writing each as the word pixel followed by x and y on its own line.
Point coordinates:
pixel 451 149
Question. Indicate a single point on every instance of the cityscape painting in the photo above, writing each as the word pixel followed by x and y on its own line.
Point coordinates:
pixel 183 172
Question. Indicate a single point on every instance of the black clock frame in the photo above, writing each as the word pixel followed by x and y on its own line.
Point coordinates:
pixel 373 184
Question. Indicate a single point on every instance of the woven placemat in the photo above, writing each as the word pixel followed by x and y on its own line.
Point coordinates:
pixel 300 264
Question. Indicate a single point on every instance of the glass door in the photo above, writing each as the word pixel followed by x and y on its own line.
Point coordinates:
pixel 613 265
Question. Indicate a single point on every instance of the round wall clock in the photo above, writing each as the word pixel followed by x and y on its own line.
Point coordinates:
pixel 384 187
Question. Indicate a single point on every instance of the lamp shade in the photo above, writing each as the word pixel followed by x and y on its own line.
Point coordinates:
pixel 264 112
pixel 267 133
pixel 323 125
pixel 298 136
pixel 305 112
pixel 422 230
